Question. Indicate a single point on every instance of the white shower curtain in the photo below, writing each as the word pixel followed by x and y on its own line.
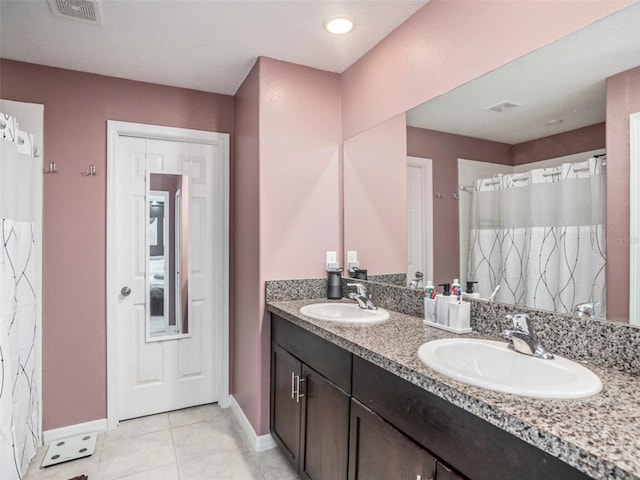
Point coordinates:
pixel 19 422
pixel 540 235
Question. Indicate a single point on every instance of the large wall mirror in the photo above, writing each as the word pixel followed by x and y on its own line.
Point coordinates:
pixel 167 248
pixel 504 180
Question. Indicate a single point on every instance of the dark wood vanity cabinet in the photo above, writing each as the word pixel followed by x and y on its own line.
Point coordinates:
pixel 445 473
pixel 378 451
pixel 285 407
pixel 474 447
pixel 310 406
pixel 324 428
pixel 341 417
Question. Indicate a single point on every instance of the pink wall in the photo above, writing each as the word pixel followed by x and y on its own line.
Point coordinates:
pixel 560 145
pixel 446 44
pixel 444 149
pixel 375 197
pixel 623 99
pixel 76 109
pixel 300 156
pixel 247 293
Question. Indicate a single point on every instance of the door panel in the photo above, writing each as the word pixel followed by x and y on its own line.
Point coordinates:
pixel 325 445
pixel 445 473
pixel 285 410
pixel 377 451
pixel 161 374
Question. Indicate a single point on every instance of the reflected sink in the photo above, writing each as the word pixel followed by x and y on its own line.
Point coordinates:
pixel 491 365
pixel 343 312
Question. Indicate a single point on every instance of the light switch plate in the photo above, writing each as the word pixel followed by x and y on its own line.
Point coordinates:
pixel 332 260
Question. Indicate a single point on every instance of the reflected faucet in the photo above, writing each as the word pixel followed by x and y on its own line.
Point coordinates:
pixel 524 339
pixel 587 309
pixel 415 283
pixel 361 296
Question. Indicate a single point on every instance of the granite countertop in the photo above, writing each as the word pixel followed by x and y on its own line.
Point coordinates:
pixel 599 436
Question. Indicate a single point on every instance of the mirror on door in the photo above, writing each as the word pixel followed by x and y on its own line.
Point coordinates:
pixel 167 244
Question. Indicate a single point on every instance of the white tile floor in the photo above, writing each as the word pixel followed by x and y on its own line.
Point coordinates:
pixel 192 444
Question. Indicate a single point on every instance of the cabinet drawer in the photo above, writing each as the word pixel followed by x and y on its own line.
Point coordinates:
pixel 477 449
pixel 329 360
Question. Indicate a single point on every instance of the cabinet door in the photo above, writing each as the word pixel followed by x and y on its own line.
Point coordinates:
pixel 285 405
pixel 325 427
pixel 445 473
pixel 377 451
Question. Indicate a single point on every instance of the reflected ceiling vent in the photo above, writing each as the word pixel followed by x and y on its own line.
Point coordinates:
pixel 503 106
pixel 84 10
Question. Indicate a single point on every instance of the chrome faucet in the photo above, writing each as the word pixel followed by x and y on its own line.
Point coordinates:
pixel 361 296
pixel 524 339
pixel 587 309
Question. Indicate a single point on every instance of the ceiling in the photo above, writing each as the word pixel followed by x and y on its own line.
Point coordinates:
pixel 206 45
pixel 561 81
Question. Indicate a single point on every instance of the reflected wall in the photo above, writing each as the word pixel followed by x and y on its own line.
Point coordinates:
pixel 375 197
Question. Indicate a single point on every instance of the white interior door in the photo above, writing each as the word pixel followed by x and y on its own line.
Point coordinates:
pixel 419 218
pixel 166 372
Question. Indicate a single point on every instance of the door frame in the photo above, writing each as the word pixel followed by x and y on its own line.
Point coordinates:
pixel 634 215
pixel 115 130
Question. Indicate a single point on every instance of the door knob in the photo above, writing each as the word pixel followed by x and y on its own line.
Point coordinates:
pixel 125 291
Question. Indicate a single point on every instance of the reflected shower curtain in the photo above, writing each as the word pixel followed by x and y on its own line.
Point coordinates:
pixel 19 423
pixel 540 235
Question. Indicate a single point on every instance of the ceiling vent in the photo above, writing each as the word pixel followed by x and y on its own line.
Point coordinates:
pixel 503 106
pixel 84 10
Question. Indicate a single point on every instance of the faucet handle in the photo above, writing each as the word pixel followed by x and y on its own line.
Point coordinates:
pixel 361 288
pixel 586 308
pixel 522 322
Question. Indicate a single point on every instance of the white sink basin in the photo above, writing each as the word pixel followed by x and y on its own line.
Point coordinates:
pixel 343 312
pixel 491 365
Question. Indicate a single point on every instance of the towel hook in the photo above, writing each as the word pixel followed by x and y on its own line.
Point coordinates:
pixel 89 172
pixel 52 168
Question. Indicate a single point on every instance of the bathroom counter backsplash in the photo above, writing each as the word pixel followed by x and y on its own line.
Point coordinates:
pixel 603 343
pixel 599 435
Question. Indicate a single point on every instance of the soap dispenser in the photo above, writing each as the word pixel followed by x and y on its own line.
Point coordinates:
pixel 334 284
pixel 442 304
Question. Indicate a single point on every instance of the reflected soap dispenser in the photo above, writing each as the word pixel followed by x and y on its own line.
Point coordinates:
pixel 430 303
pixel 470 292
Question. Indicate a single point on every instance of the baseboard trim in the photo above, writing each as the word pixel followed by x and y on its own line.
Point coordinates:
pixel 73 430
pixel 260 443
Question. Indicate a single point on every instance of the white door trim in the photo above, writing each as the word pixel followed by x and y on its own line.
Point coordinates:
pixel 116 129
pixel 634 225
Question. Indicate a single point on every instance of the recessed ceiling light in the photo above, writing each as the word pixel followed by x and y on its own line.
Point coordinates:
pixel 339 24
pixel 555 121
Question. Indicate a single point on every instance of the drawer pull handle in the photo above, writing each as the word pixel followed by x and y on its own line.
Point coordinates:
pixel 293 385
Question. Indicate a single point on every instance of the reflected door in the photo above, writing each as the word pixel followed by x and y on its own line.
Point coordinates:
pixel 166 326
pixel 419 218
